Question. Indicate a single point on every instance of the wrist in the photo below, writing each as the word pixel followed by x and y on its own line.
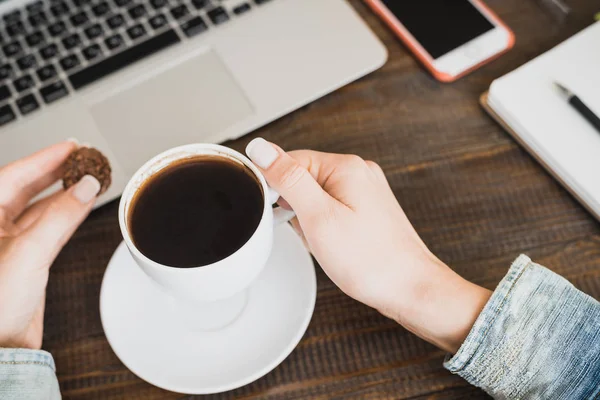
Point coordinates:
pixel 442 307
pixel 11 341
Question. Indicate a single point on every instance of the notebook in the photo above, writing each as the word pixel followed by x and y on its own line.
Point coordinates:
pixel 527 104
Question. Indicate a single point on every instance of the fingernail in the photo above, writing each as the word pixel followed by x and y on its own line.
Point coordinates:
pixel 86 189
pixel 262 153
pixel 73 140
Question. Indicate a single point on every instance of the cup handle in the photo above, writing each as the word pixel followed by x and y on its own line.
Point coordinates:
pixel 280 214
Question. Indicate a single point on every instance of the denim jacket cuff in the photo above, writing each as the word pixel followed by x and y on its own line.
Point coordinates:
pixel 490 313
pixel 27 375
pixel 26 357
pixel 537 337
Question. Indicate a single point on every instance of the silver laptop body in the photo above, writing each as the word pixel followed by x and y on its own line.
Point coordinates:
pixel 217 72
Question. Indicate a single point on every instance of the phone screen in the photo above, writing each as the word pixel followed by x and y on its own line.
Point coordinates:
pixel 440 26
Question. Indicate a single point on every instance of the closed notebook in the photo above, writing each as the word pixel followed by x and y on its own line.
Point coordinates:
pixel 526 102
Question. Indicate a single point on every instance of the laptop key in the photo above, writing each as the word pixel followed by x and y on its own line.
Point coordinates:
pixel 259 2
pixel 38 19
pixel 4 93
pixel 200 4
pixel 92 52
pixel 137 11
pixel 46 72
pixel 6 115
pixel 79 19
pixel 100 9
pixel 12 49
pixel 194 26
pixel 218 15
pixel 69 62
pixel 121 60
pixel 121 3
pixel 179 11
pixel 136 31
pixel 59 9
pixel 15 29
pixel 35 38
pixel 57 28
pixel 114 41
pixel 241 9
pixel 156 4
pixel 23 83
pixel 35 6
pixel 6 71
pixel 158 21
pixel 93 31
pixel 27 104
pixel 115 21
pixel 49 51
pixel 53 92
pixel 12 16
pixel 71 41
pixel 26 62
pixel 79 3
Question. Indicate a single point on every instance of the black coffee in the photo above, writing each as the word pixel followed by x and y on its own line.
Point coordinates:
pixel 196 211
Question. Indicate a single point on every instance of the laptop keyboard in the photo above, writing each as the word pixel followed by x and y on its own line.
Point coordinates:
pixel 50 48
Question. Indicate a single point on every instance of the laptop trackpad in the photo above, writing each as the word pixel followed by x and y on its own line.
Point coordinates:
pixel 188 103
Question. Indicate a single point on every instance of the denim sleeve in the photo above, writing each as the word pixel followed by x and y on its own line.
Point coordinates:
pixel 538 337
pixel 27 375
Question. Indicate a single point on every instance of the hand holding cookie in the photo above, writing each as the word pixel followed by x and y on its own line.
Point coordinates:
pixel 31 235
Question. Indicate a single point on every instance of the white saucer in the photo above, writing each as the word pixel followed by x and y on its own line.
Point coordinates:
pixel 159 348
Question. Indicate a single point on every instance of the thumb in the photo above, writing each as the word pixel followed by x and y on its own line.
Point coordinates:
pixel 51 231
pixel 288 177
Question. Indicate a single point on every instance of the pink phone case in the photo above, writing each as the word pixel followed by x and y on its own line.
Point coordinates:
pixel 390 19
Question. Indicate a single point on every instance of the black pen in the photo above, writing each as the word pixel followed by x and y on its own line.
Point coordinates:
pixel 580 106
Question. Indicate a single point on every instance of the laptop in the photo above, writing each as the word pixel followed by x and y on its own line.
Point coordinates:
pixel 136 77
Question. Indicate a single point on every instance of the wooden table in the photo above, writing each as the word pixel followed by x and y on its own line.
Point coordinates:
pixel 477 199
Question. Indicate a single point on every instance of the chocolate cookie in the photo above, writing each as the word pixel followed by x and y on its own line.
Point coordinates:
pixel 87 161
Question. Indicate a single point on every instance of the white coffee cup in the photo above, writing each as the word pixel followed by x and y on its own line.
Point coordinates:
pixel 210 295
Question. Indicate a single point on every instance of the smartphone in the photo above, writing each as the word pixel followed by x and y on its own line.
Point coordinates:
pixel 450 37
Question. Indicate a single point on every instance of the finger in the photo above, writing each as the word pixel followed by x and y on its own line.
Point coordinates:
pixel 376 169
pixel 320 165
pixel 35 210
pixel 284 204
pixel 338 174
pixel 332 169
pixel 289 178
pixel 7 228
pixel 49 233
pixel 23 179
pixel 296 225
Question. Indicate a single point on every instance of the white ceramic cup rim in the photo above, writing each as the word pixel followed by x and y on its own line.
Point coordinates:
pixel 165 159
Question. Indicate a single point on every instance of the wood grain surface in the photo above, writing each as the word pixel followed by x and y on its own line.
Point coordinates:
pixel 477 199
